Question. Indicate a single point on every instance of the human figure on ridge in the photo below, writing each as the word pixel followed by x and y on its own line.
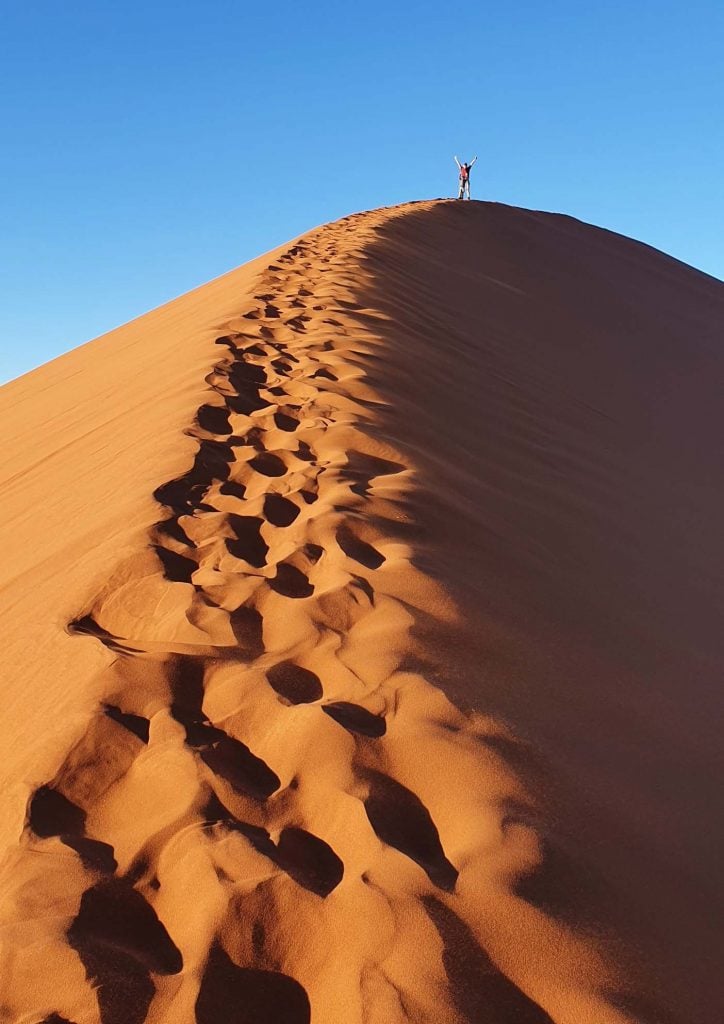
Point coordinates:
pixel 464 177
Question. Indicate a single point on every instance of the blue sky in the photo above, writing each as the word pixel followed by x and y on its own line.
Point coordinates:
pixel 147 147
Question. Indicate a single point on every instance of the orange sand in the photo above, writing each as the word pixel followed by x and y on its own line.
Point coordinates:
pixel 362 638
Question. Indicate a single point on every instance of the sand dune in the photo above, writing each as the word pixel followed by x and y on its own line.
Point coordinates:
pixel 362 640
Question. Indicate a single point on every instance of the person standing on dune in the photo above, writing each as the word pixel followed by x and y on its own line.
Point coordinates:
pixel 464 177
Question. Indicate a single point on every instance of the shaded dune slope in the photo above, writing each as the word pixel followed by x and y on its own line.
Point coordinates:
pixel 384 681
pixel 567 430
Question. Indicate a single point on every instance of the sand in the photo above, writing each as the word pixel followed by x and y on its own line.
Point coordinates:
pixel 362 640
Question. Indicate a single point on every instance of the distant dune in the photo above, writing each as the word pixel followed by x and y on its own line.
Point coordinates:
pixel 363 647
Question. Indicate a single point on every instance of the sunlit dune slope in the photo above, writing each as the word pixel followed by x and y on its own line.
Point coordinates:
pixel 362 640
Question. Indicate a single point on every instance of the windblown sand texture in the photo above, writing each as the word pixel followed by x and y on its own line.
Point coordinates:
pixel 363 640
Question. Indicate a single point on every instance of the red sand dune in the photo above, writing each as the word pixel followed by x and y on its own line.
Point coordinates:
pixel 362 640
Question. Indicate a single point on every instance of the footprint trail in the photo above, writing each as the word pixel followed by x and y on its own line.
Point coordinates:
pixel 259 823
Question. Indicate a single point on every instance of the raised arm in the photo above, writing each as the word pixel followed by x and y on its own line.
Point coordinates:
pixel 473 161
pixel 457 162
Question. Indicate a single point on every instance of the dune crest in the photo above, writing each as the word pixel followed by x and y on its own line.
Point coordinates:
pixel 274 813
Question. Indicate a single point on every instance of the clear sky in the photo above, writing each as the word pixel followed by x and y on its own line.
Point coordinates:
pixel 147 146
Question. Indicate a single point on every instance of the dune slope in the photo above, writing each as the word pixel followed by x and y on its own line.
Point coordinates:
pixel 362 617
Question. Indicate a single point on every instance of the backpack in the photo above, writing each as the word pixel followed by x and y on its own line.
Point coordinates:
pixel 465 172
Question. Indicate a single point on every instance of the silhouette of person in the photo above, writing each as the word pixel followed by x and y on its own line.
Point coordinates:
pixel 464 177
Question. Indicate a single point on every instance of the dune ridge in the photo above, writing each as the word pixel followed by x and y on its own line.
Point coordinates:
pixel 274 812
